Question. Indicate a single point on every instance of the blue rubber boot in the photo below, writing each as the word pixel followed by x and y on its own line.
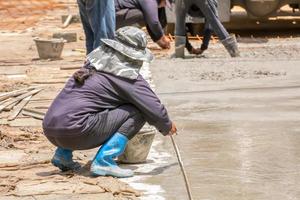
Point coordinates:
pixel 104 164
pixel 63 159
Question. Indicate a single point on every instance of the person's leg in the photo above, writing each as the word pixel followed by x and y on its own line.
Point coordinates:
pixel 180 10
pixel 109 18
pixel 181 7
pixel 89 35
pixel 101 127
pixel 207 33
pixel 103 163
pixel 208 9
pixel 101 15
pixel 111 129
pixel 188 45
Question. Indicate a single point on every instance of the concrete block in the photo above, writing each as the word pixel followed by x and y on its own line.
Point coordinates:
pixel 69 37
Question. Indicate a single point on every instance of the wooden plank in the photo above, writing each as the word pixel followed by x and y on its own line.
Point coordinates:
pixel 18 108
pixel 6 100
pixel 4 122
pixel 14 93
pixel 47 94
pixel 69 67
pixel 19 98
pixel 38 107
pixel 9 107
pixel 33 92
pixel 42 98
pixel 12 71
pixel 43 104
pixel 19 122
pixel 33 113
pixel 51 81
pixel 14 62
pixel 58 75
pixel 38 114
pixel 16 76
pixel 3 106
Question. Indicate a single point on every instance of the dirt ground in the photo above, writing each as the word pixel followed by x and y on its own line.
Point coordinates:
pixel 20 14
pixel 237 118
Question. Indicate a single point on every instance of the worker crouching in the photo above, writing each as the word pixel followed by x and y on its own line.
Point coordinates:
pixel 105 104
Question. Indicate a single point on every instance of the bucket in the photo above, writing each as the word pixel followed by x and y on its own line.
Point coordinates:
pixel 49 48
pixel 138 147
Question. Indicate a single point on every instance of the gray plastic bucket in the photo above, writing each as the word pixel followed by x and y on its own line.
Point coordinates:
pixel 49 48
pixel 138 147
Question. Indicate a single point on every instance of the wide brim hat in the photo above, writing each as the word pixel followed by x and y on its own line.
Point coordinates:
pixel 131 42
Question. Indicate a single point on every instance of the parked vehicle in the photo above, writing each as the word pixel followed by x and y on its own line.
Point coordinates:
pixel 256 9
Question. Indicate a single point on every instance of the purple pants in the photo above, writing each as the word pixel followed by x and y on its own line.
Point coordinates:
pixel 125 119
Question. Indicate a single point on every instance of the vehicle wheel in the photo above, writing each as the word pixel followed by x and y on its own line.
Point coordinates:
pixel 262 8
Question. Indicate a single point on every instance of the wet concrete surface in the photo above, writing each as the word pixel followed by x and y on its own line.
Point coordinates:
pixel 239 138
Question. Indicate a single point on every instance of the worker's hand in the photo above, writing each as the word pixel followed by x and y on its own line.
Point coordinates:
pixel 197 51
pixel 173 130
pixel 164 42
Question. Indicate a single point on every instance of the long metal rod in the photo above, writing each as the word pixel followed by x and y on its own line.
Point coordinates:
pixel 187 185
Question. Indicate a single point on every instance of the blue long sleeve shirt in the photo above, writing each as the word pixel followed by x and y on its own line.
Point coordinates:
pixel 68 114
pixel 149 8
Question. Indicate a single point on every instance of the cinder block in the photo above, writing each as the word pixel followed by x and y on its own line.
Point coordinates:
pixel 69 37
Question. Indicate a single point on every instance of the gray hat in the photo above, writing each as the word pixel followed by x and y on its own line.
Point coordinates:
pixel 131 42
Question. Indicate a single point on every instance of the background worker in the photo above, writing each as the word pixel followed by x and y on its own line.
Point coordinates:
pixel 149 13
pixel 152 14
pixel 194 11
pixel 208 9
pixel 98 21
pixel 105 103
